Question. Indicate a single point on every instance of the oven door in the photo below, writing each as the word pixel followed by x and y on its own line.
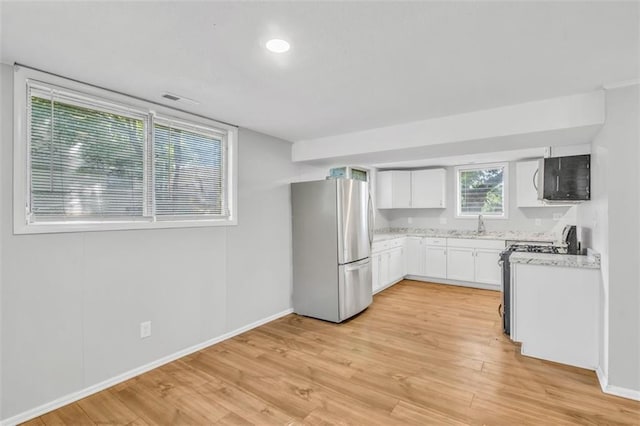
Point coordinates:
pixel 506 292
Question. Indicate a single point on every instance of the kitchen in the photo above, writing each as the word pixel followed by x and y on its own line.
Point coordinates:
pixel 445 110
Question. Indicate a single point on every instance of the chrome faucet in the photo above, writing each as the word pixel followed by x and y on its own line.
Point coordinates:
pixel 481 227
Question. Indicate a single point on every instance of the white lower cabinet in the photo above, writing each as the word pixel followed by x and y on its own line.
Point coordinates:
pixel 555 313
pixel 396 264
pixel 470 261
pixel 375 272
pixel 415 255
pixel 487 270
pixel 473 261
pixel 460 265
pixel 435 261
pixel 389 265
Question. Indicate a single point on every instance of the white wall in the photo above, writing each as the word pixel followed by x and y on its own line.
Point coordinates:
pixel 519 219
pixel 72 303
pixel 613 219
pixel 558 121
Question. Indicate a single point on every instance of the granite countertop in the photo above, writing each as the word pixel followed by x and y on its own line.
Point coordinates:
pixel 390 233
pixel 565 260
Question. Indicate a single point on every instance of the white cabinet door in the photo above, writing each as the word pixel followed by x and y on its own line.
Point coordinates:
pixel 401 189
pixel 556 310
pixel 428 188
pixel 393 189
pixel 396 264
pixel 380 270
pixel 384 190
pixel 415 256
pixel 526 184
pixel 383 271
pixel 375 272
pixel 487 270
pixel 460 264
pixel 435 262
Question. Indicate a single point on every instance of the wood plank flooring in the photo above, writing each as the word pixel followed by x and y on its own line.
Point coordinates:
pixel 421 354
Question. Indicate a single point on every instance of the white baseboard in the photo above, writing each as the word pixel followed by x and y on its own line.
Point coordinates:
pixel 75 396
pixel 602 379
pixel 615 390
pixel 495 287
pixel 623 392
pixel 378 290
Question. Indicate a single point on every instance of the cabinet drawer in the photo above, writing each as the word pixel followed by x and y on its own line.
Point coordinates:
pixel 379 246
pixel 475 243
pixel 398 242
pixel 435 241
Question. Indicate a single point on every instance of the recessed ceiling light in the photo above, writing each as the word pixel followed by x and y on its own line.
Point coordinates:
pixel 278 46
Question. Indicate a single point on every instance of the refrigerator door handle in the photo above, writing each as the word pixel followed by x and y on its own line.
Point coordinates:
pixel 370 219
pixel 354 288
pixel 356 265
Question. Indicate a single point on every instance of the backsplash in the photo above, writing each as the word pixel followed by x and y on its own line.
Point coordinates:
pixel 458 233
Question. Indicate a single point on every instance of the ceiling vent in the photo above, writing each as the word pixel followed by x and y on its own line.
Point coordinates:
pixel 171 97
pixel 178 98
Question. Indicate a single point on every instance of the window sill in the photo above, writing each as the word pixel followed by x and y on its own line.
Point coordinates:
pixel 64 227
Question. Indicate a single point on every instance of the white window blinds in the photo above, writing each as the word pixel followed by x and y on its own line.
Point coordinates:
pixel 189 170
pixel 89 160
pixel 86 159
pixel 481 191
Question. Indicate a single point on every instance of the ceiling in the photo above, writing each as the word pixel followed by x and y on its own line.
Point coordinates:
pixel 457 160
pixel 352 65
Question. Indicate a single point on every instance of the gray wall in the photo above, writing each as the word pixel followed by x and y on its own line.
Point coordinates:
pixel 72 303
pixel 519 219
pixel 613 221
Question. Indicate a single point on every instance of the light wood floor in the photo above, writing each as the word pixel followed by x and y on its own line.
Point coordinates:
pixel 421 354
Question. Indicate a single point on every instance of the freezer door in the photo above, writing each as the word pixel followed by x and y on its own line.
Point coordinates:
pixel 354 288
pixel 355 227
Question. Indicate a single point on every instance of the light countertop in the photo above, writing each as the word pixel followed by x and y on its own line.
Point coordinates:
pixel 390 233
pixel 564 260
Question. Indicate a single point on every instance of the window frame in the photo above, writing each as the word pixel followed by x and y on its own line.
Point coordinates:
pixel 505 195
pixel 22 223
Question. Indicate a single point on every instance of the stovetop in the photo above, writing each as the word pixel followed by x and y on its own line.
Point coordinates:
pixel 531 248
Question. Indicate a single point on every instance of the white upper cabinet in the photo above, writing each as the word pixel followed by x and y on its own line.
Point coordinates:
pixel 527 184
pixel 393 189
pixel 428 188
pixel 402 189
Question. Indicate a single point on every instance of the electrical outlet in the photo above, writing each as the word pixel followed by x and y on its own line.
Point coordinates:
pixel 409 220
pixel 443 221
pixel 557 216
pixel 145 329
pixel 538 222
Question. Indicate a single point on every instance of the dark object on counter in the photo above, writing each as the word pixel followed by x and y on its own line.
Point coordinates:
pixel 565 179
pixel 570 238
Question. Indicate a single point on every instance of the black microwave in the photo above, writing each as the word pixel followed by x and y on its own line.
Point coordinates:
pixel 565 179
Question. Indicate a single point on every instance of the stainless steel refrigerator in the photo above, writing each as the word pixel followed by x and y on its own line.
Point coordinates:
pixel 332 235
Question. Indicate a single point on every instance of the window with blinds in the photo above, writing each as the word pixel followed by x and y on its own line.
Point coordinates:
pixel 86 160
pixel 481 190
pixel 189 170
pixel 94 161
